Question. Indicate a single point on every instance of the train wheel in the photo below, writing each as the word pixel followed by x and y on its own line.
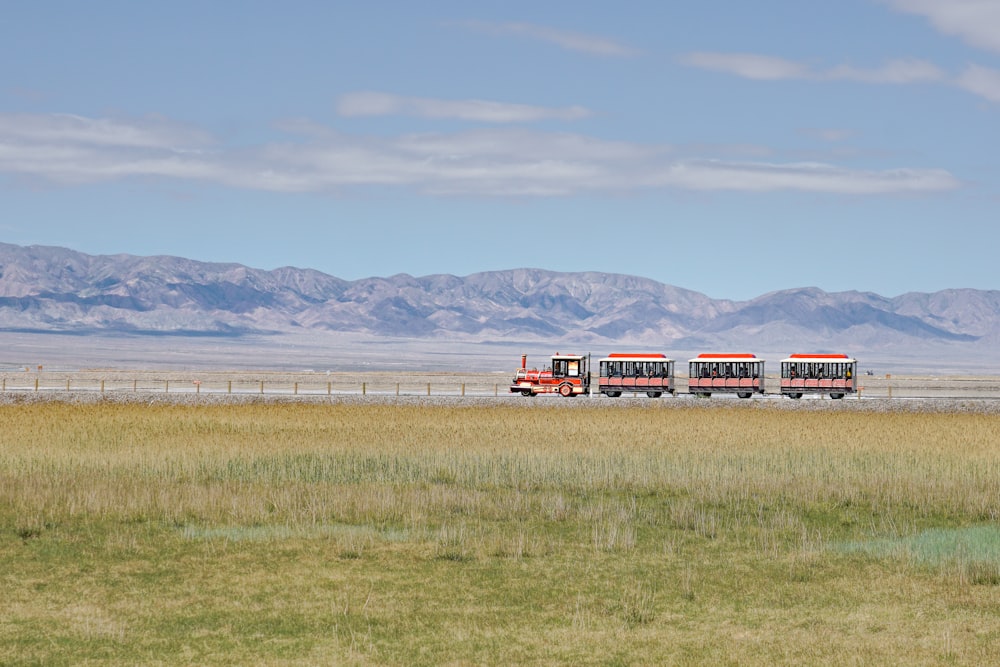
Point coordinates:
pixel 704 394
pixel 565 390
pixel 744 394
pixel 836 396
pixel 653 394
pixel 796 396
pixel 612 394
pixel 525 392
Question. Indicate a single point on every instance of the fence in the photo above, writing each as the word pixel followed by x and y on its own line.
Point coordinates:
pixel 51 385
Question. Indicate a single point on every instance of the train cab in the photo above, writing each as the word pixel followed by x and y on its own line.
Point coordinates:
pixel 833 374
pixel 741 374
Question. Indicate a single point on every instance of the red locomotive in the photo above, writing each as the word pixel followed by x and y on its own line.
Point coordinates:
pixel 567 376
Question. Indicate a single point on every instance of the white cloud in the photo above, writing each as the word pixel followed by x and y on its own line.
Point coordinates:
pixel 747 65
pixel 981 81
pixel 975 79
pixel 149 132
pixel 572 41
pixel 369 103
pixel 805 177
pixel 977 22
pixel 761 67
pixel 894 71
pixel 486 162
pixel 66 148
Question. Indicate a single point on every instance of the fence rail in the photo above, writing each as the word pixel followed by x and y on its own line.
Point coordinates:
pixel 255 387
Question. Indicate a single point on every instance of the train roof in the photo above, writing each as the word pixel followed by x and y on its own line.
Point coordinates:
pixel 639 356
pixel 715 357
pixel 819 358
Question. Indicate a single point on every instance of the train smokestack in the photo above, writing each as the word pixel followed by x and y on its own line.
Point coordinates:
pixel 524 361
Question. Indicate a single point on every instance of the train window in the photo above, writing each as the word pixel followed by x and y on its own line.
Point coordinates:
pixel 568 367
pixel 817 370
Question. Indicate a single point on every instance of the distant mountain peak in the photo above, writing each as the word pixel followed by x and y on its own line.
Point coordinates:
pixel 51 289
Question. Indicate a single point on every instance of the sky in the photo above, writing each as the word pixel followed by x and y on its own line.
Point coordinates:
pixel 728 147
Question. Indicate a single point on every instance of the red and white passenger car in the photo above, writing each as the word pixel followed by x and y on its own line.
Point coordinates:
pixel 567 376
pixel 649 373
pixel 740 374
pixel 834 374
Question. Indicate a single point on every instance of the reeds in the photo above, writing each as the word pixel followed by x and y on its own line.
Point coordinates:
pixel 407 534
pixel 708 471
pixel 921 457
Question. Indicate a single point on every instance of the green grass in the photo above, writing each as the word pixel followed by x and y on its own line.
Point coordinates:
pixel 296 534
pixel 971 553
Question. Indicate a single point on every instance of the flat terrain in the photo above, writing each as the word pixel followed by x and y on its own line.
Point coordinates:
pixel 218 529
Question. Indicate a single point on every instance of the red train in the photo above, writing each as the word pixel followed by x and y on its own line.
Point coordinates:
pixel 649 373
pixel 567 376
pixel 740 374
pixel 833 374
pixel 653 374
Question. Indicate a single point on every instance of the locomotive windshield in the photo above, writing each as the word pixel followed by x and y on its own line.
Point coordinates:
pixel 567 367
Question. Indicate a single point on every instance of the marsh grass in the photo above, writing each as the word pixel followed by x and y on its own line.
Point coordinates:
pixel 969 554
pixel 395 534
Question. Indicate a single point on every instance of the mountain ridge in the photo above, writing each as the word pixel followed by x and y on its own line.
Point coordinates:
pixel 48 289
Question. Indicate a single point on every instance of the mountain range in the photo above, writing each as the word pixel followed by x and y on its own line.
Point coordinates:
pixel 57 290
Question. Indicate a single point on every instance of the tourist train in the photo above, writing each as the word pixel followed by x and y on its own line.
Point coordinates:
pixel 710 373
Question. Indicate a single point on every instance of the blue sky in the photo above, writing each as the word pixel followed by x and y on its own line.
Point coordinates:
pixel 733 148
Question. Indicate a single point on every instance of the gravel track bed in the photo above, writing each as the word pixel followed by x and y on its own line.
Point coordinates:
pixel 681 402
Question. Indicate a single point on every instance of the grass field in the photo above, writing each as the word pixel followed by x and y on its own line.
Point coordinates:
pixel 304 534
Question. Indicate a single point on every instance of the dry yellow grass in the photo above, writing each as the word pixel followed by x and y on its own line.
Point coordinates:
pixel 407 534
pixel 944 462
